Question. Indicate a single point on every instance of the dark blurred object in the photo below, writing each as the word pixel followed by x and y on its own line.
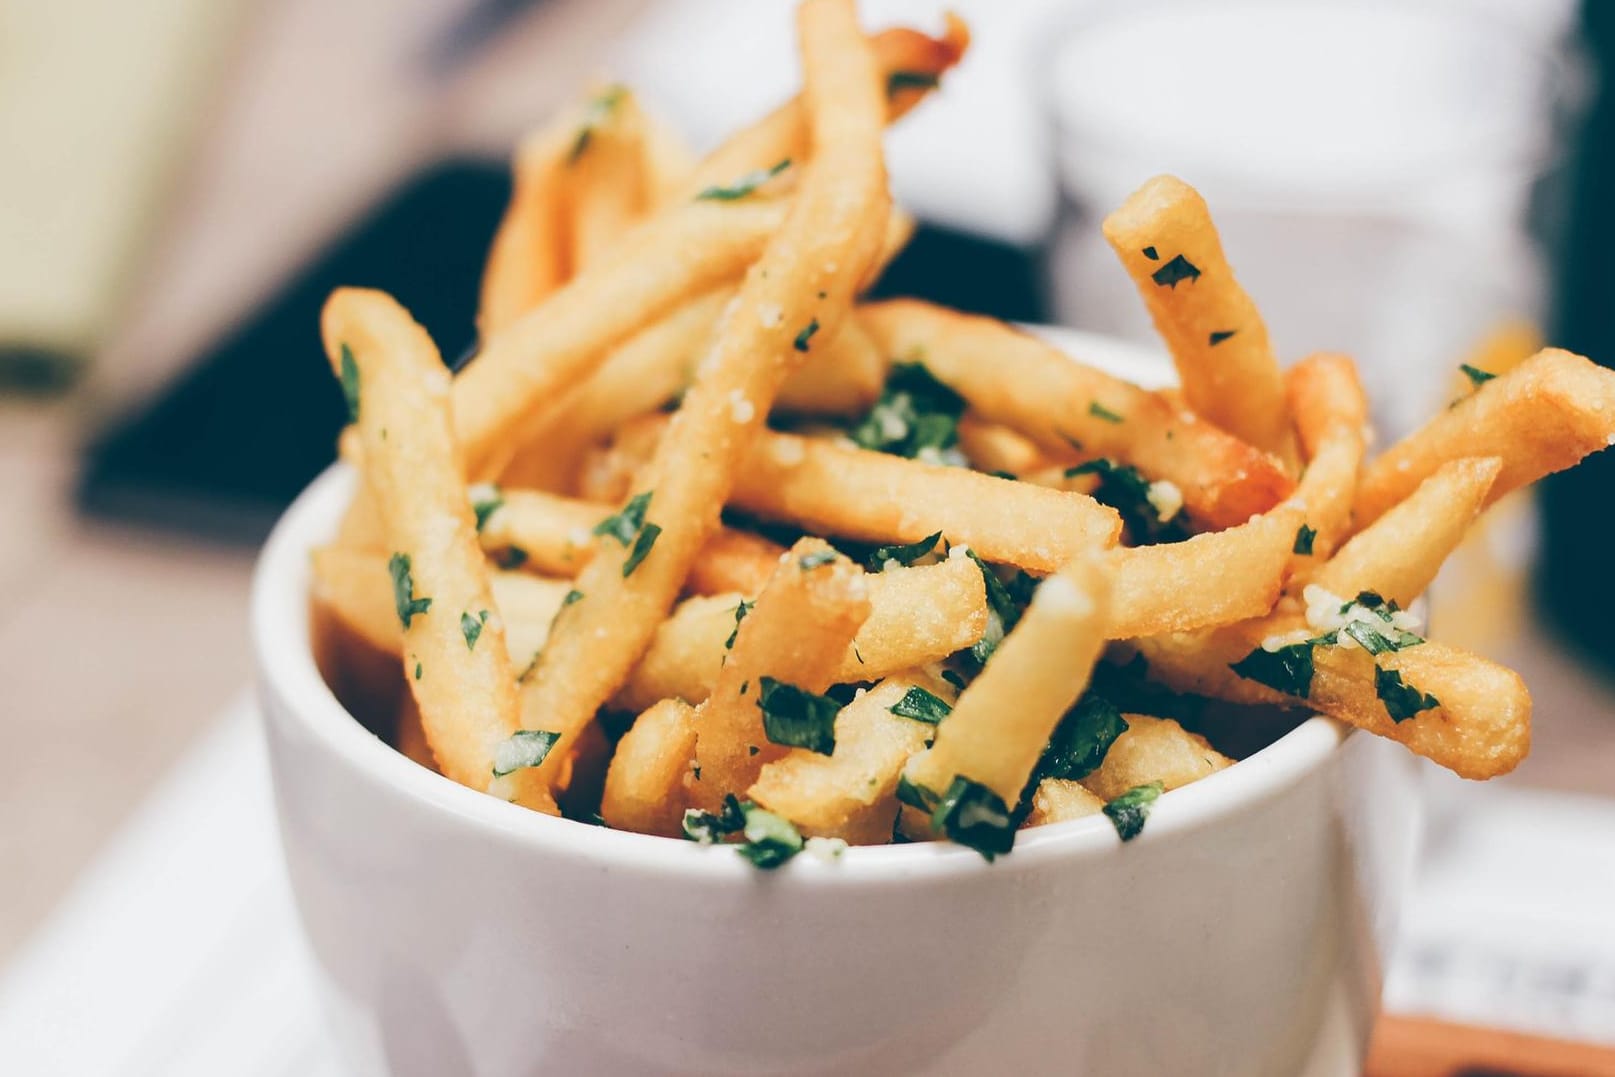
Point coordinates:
pixel 227 447
pixel 1576 583
pixel 224 450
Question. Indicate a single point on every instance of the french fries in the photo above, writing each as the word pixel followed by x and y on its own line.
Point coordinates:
pixel 786 649
pixel 1543 416
pixel 398 391
pixel 1034 389
pixel 802 285
pixel 917 616
pixel 574 554
pixel 1164 236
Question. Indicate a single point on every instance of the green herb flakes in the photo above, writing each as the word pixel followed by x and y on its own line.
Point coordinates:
pixel 1082 739
pixel 922 706
pixel 1150 253
pixel 404 590
pixel 486 499
pixel 1179 269
pixel 1402 700
pixel 624 526
pixel 971 814
pixel 797 718
pixel 1288 669
pixel 745 185
pixel 903 555
pixel 598 112
pixel 740 615
pixel 1220 335
pixel 471 628
pixel 802 338
pixel 523 748
pixel 768 840
pixel 642 546
pixel 1128 811
pixel 1477 377
pixel 817 559
pixel 897 81
pixel 1099 411
pixel 1304 539
pixel 350 383
pixel 915 414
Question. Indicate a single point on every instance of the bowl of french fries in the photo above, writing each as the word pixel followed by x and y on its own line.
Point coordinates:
pixel 724 673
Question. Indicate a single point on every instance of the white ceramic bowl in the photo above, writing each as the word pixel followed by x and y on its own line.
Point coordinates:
pixel 1242 933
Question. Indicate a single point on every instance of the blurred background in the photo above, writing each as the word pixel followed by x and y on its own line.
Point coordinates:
pixel 1417 183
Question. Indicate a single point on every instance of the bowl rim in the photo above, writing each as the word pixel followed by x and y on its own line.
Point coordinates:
pixel 294 690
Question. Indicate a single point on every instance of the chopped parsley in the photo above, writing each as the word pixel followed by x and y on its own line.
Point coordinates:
pixel 1402 700
pixel 898 81
pixel 486 499
pixel 417 669
pixel 1005 602
pixel 598 112
pixel 903 555
pixel 1149 252
pixel 740 615
pixel 511 557
pixel 1304 539
pixel 745 185
pixel 954 679
pixel 817 559
pixel 1099 411
pixel 922 706
pixel 624 526
pixel 1081 740
pixel 915 796
pixel 1288 669
pixel 1220 335
pixel 1378 638
pixel 523 748
pixel 915 413
pixel 572 596
pixel 802 338
pixel 1477 377
pixel 1128 811
pixel 971 814
pixel 1177 270
pixel 1125 489
pixel 350 383
pixel 471 628
pixel 647 538
pixel 768 840
pixel 404 590
pixel 797 718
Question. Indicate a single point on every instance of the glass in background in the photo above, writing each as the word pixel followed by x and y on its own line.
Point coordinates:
pixel 1384 175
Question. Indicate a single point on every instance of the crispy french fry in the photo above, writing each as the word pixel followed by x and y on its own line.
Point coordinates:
pixel 645 782
pixel 1165 238
pixel 801 286
pixel 1399 554
pixel 528 258
pixel 918 615
pixel 1210 579
pixel 852 793
pixel 803 622
pixel 355 586
pixel 555 536
pixel 873 497
pixel 1002 721
pixel 783 134
pixel 1153 750
pixel 523 369
pixel 1480 727
pixel 1326 492
pixel 1323 392
pixel 994 447
pixel 1541 417
pixel 1059 800
pixel 604 174
pixel 466 693
pixel 845 380
pixel 1035 389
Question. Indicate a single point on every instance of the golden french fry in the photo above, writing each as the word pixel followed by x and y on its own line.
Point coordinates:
pixel 604 174
pixel 1030 386
pixel 523 370
pixel 466 693
pixel 1543 416
pixel 1165 238
pixel 845 380
pixel 803 622
pixel 852 793
pixel 919 62
pixel 996 448
pixel 1479 725
pixel 873 497
pixel 555 535
pixel 917 616
pixel 1153 750
pixel 1003 719
pixel 528 258
pixel 801 286
pixel 1323 392
pixel 645 782
pixel 1399 554
pixel 1210 579
pixel 1059 800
